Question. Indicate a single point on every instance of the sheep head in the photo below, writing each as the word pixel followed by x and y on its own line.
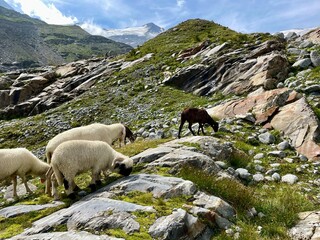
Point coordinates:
pixel 123 166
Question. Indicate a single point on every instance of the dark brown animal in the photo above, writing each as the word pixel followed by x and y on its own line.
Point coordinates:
pixel 129 134
pixel 196 115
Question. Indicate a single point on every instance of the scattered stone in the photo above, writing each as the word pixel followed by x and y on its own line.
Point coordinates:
pixel 279 154
pixel 259 156
pixel 283 145
pixel 178 225
pixel 243 173
pixel 303 63
pixel 276 177
pixel 266 138
pixel 315 58
pixel 289 178
pixel 258 177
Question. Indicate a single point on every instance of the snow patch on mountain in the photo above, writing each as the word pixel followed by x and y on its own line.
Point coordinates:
pixel 133 36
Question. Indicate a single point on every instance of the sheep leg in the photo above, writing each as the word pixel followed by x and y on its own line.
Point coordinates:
pixel 122 140
pixel 180 127
pixel 24 180
pixel 70 189
pixel 14 180
pixel 94 180
pixel 190 128
pixel 49 175
pixel 201 125
pixel 54 187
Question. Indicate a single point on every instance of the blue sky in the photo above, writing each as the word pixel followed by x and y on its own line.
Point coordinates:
pixel 241 15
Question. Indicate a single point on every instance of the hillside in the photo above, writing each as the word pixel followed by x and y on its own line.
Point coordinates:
pixel 253 179
pixel 30 42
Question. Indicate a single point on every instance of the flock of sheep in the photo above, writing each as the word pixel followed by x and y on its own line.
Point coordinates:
pixel 69 153
pixel 81 149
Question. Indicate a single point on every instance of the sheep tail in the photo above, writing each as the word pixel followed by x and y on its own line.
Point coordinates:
pixel 58 174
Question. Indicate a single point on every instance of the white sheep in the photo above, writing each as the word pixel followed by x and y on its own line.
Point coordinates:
pixel 94 132
pixel 21 162
pixel 76 156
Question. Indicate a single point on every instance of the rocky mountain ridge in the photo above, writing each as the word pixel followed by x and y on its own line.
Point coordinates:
pixel 264 94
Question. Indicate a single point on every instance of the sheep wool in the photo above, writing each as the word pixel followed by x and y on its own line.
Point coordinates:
pixel 76 156
pixel 20 162
pixel 93 132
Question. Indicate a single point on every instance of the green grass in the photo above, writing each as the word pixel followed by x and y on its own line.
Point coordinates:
pixel 279 203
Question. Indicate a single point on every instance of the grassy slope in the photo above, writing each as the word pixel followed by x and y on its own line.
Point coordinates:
pixel 131 103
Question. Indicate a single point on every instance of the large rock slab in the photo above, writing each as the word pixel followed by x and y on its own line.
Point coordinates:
pixel 307 227
pixel 151 154
pixel 298 122
pixel 70 235
pixel 262 104
pixel 14 211
pixel 82 212
pixel 166 187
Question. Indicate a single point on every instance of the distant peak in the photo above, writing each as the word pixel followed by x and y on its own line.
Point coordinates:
pixel 153 28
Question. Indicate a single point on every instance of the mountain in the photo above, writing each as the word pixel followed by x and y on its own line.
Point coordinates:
pixel 132 36
pixel 257 177
pixel 5 5
pixel 31 42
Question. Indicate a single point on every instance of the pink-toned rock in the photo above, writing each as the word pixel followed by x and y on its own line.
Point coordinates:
pixel 282 109
pixel 298 122
pixel 262 104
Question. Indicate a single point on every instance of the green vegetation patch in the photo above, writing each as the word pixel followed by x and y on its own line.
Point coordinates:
pixel 280 204
pixel 12 226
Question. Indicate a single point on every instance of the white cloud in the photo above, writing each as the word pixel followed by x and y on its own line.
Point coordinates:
pixel 92 28
pixel 180 3
pixel 46 12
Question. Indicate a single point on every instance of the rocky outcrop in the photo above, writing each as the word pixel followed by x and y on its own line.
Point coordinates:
pixel 282 109
pixel 24 94
pixel 262 104
pixel 234 72
pixel 298 122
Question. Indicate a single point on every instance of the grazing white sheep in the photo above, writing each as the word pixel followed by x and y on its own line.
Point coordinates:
pixel 76 156
pixel 21 162
pixel 93 132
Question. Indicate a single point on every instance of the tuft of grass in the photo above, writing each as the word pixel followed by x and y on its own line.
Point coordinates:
pixel 239 159
pixel 238 195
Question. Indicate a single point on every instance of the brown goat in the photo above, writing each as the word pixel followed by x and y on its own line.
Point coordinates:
pixel 196 115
